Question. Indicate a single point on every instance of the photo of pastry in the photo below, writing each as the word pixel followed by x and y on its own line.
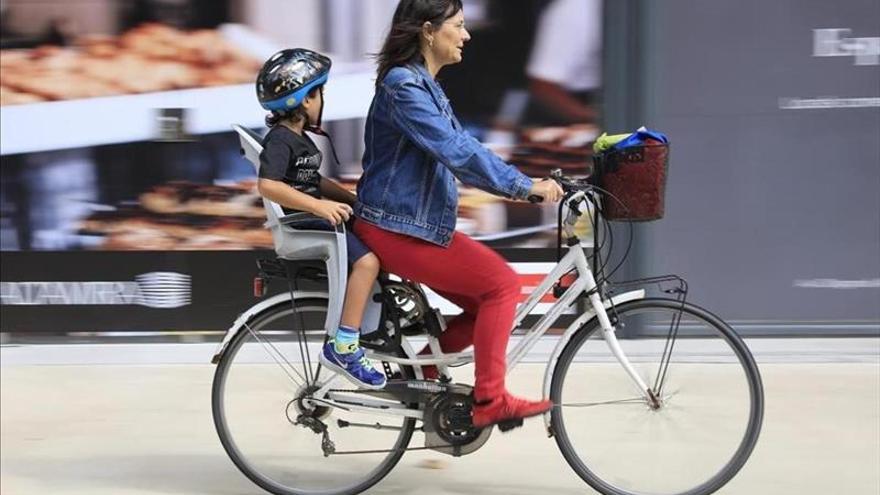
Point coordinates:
pixel 149 58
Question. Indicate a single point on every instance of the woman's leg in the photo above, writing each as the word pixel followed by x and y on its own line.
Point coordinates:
pixel 473 272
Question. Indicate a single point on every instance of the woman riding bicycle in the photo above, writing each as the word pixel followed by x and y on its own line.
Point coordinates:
pixel 408 199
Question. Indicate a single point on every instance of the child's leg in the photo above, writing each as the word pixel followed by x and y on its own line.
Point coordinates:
pixel 343 354
pixel 360 285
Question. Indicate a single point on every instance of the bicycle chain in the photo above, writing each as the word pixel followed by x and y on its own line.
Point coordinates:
pixel 353 391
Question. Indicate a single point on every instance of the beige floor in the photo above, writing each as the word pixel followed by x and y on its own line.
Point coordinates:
pixel 147 429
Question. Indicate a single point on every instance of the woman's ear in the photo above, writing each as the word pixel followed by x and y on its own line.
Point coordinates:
pixel 428 32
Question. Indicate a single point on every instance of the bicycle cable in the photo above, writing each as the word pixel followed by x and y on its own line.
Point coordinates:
pixel 597 228
pixel 607 278
pixel 603 226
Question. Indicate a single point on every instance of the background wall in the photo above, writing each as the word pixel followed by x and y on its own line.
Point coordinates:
pixel 773 200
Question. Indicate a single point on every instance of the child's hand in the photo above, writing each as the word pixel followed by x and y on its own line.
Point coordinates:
pixel 332 211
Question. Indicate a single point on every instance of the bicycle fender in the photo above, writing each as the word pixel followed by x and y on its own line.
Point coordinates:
pixel 569 332
pixel 254 310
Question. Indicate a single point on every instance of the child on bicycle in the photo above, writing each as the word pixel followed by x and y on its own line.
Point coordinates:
pixel 290 86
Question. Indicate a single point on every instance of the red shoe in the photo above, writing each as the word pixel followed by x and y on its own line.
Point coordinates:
pixel 507 411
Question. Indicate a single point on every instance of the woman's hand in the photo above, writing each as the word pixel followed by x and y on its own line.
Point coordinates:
pixel 548 189
pixel 332 211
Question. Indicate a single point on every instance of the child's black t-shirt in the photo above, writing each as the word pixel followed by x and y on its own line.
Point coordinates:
pixel 293 159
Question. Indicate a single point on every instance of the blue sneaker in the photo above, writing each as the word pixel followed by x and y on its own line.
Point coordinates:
pixel 353 366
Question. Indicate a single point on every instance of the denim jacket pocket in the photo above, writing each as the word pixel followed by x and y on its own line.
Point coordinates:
pixel 446 109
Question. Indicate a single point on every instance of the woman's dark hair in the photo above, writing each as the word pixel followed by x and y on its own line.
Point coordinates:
pixel 402 43
pixel 297 114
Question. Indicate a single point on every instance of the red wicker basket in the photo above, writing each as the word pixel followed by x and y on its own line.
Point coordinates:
pixel 634 180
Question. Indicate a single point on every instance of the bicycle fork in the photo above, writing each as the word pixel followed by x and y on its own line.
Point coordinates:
pixel 610 336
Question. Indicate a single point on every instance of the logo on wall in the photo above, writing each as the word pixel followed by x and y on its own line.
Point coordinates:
pixel 839 43
pixel 154 289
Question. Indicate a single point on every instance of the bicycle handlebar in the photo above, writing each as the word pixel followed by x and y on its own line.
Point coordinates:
pixel 568 184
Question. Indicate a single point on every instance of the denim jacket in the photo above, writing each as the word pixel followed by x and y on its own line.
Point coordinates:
pixel 414 149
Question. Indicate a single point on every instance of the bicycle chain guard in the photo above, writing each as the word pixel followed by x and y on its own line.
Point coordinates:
pixel 446 420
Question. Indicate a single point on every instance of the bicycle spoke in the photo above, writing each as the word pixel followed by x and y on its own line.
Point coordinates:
pixel 301 337
pixel 633 400
pixel 266 345
pixel 669 396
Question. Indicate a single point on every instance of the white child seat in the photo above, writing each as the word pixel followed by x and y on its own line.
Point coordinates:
pixel 298 244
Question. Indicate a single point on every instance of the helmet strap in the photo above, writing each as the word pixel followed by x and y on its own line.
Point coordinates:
pixel 321 132
pixel 317 129
pixel 317 125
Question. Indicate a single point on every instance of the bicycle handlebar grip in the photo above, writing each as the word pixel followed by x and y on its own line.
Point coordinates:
pixel 534 198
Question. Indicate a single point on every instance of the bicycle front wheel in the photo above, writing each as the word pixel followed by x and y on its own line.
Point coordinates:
pixel 271 429
pixel 698 434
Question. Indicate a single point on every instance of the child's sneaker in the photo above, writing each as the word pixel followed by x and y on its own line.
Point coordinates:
pixel 354 366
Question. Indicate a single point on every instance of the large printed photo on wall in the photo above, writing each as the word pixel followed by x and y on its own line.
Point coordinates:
pixel 116 115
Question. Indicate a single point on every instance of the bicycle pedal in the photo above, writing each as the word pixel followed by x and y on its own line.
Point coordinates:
pixel 509 424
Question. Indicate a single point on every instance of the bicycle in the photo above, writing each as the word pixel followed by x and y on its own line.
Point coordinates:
pixel 282 421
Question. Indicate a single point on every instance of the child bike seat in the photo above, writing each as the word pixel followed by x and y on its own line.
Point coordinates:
pixel 297 244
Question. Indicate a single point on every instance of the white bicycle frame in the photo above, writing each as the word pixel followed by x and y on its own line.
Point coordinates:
pixel 575 259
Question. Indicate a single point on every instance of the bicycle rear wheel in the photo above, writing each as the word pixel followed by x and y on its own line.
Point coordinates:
pixel 259 391
pixel 710 410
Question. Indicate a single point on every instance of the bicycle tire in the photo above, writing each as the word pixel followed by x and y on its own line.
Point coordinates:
pixel 239 459
pixel 756 408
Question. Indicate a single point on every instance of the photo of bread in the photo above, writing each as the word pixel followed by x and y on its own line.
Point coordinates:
pixel 149 58
pixel 9 96
pixel 240 200
pixel 542 149
pixel 182 215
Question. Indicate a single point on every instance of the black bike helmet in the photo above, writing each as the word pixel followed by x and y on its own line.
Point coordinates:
pixel 288 76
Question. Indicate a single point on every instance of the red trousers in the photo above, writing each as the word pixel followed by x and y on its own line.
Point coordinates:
pixel 468 274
